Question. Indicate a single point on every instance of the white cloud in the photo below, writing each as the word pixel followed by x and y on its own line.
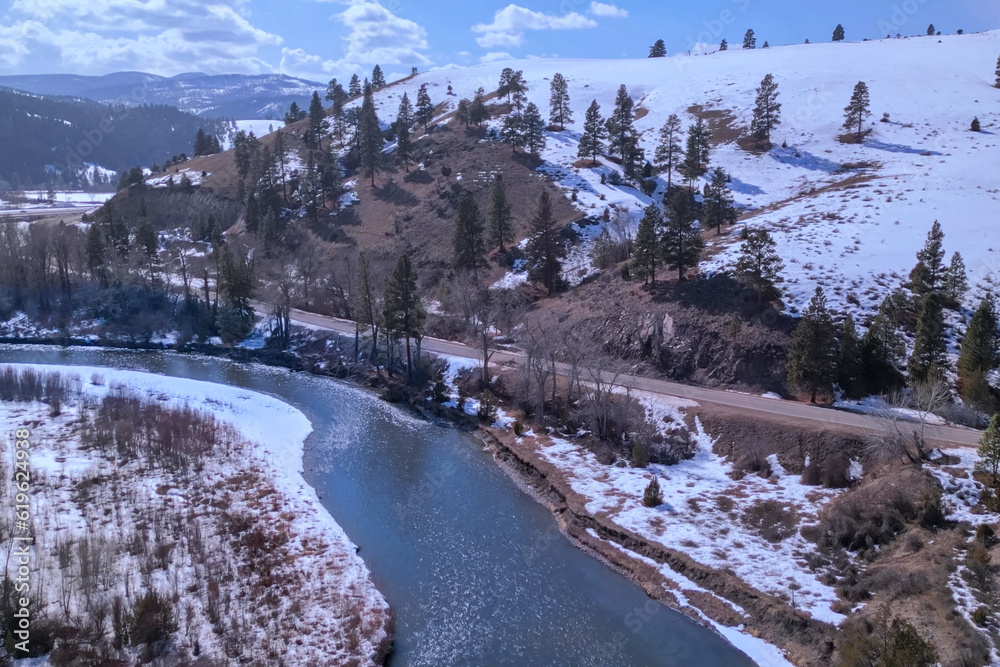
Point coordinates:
pixel 495 56
pixel 608 11
pixel 510 23
pixel 162 36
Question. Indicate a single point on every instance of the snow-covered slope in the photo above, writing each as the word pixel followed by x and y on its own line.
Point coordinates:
pixel 924 165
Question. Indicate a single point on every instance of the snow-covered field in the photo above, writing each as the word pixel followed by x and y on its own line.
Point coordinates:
pixel 923 165
pixel 333 611
pixel 61 199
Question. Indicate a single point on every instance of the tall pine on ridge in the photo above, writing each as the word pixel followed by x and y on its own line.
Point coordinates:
pixel 592 140
pixel 370 140
pixel 858 110
pixel 559 109
pixel 499 215
pixel 469 249
pixel 668 151
pixel 767 110
pixel 681 242
pixel 646 253
pixel 545 249
pixel 619 124
pixel 812 353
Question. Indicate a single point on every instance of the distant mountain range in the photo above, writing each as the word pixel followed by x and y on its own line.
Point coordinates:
pixel 237 96
pixel 58 141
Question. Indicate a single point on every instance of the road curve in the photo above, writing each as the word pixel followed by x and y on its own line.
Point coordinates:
pixel 942 436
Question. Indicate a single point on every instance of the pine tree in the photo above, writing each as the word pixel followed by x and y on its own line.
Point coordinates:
pixel 462 112
pixel 619 124
pixel 295 114
pixel 857 112
pixel 512 86
pixel 479 113
pixel 759 264
pixel 658 50
pixel 767 45
pixel 592 141
pixel 929 346
pixel 681 242
pixel 499 215
pixel 354 87
pixel 997 83
pixel 545 249
pixel 697 152
pixel 849 366
pixel 512 131
pixel 719 205
pixel 205 144
pixel 882 347
pixel 652 496
pixel 533 127
pixel 378 79
pixel 838 33
pixel 425 108
pixel 931 30
pixel 767 110
pixel 146 238
pixel 723 45
pixel 405 315
pixel 750 40
pixel 404 121
pixel 470 250
pixel 929 274
pixel 812 352
pixel 976 125
pixel 318 125
pixel 669 151
pixel 980 351
pixel 94 253
pixel 646 253
pixel 956 281
pixel 989 450
pixel 336 94
pixel 370 137
pixel 559 109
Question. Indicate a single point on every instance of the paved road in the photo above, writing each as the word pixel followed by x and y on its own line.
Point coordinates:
pixel 45 212
pixel 771 407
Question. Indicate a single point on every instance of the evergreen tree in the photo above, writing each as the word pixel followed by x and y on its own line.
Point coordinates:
pixel 858 110
pixel 404 121
pixel 364 303
pixel 479 113
pixel 619 124
pixel 512 86
pixel 652 496
pixel 470 250
pixel 658 50
pixel 425 108
pixel 723 45
pixel 404 313
pixel 697 152
pixel 646 255
pixel 378 79
pixel 559 109
pixel 236 286
pixel 882 347
pixel 812 352
pixel 499 215
pixel 370 139
pixel 766 44
pixel 545 248
pixel 989 449
pixel 318 125
pixel 206 144
pixel 929 346
pixel 512 131
pixel 146 238
pixel 750 40
pixel 681 242
pixel 956 281
pixel 850 370
pixel 931 30
pixel 354 87
pixel 929 274
pixel 295 114
pixel 462 112
pixel 980 351
pixel 838 33
pixel 767 110
pixel 759 264
pixel 533 127
pixel 336 94
pixel 95 255
pixel 669 151
pixel 592 141
pixel 719 205
pixel 633 157
pixel 996 84
pixel 976 125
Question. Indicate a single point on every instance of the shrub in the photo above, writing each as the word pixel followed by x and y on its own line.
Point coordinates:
pixel 772 520
pixel 976 126
pixel 986 535
pixel 152 619
pixel 652 496
pixel 487 412
pixel 518 428
pixel 640 455
pixel 980 616
pixel 886 640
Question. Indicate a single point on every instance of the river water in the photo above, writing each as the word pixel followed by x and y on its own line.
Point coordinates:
pixel 474 569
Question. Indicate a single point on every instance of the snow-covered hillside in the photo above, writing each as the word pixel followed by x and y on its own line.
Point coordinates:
pixel 923 165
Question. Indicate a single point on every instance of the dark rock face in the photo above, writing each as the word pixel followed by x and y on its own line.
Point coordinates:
pixel 170 208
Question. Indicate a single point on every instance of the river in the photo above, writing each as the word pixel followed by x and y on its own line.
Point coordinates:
pixel 474 569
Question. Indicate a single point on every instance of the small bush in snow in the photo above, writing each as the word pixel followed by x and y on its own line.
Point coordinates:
pixel 652 496
pixel 640 455
pixel 976 126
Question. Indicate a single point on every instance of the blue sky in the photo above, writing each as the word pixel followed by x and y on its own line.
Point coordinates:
pixel 321 39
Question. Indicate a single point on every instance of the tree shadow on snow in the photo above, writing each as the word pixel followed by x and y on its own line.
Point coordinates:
pixel 898 148
pixel 804 159
pixel 736 185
